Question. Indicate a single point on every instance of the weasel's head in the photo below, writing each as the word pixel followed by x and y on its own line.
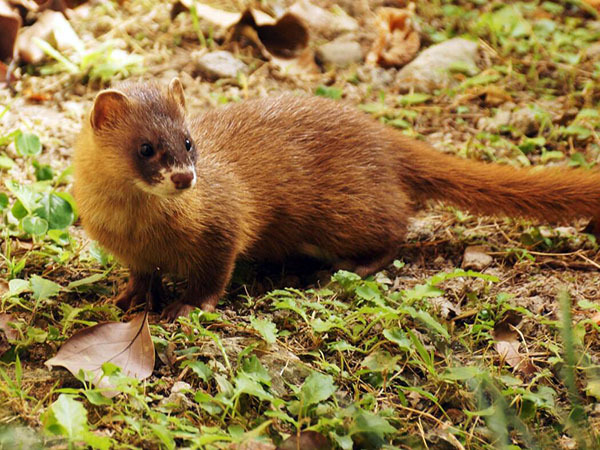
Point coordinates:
pixel 142 133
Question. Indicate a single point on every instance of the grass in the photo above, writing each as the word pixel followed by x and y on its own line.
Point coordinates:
pixel 405 359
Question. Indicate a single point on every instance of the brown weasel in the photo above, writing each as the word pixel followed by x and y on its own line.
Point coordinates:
pixel 267 178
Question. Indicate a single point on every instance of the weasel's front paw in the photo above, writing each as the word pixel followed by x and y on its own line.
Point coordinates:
pixel 129 298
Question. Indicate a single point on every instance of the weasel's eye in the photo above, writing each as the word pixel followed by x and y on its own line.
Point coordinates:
pixel 146 150
pixel 188 145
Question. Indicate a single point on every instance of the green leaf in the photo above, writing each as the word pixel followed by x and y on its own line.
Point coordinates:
pixel 66 417
pixel 366 422
pixel 56 210
pixel 199 368
pixel 254 368
pixel 87 280
pixel 6 162
pixel 461 373
pixel 18 210
pixel 17 286
pixel 34 225
pixel 246 384
pixel 25 194
pixel 266 328
pixel 428 320
pixel 397 336
pixel 329 92
pixel 43 171
pixel 43 289
pixel 316 389
pixel 413 99
pixel 3 201
pixel 28 144
pixel 163 434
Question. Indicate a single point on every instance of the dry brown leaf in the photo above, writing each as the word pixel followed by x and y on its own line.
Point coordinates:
pixel 215 16
pixel 51 27
pixel 508 343
pixel 321 21
pixel 308 440
pixel 593 3
pixel 252 445
pixel 397 41
pixel 7 333
pixel 127 345
pixel 5 328
pixel 10 22
pixel 282 40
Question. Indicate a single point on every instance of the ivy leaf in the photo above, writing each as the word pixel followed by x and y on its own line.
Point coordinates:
pixel 199 368
pixel 246 384
pixel 34 225
pixel 6 162
pixel 365 422
pixel 66 417
pixel 43 289
pixel 28 144
pixel 256 370
pixel 56 210
pixel 316 389
pixel 42 171
pixel 397 336
pixel 266 328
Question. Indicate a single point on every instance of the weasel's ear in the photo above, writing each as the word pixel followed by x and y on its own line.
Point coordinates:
pixel 109 105
pixel 176 92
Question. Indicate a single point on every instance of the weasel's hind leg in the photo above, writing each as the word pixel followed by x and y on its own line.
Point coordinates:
pixel 370 265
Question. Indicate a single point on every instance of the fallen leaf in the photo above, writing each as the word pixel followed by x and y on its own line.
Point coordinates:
pixel 253 445
pixel 127 345
pixel 397 41
pixel 307 440
pixel 283 40
pixel 508 343
pixel 215 16
pixel 593 3
pixel 10 22
pixel 51 27
pixel 7 333
pixel 321 21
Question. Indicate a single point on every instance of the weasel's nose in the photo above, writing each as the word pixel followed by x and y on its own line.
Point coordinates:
pixel 183 180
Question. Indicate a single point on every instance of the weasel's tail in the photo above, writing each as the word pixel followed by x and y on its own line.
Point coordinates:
pixel 550 194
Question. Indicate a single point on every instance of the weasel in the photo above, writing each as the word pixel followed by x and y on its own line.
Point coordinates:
pixel 263 179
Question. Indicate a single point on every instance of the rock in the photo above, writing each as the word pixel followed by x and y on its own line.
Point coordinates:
pixel 522 120
pixel 493 124
pixel 220 64
pixel 429 70
pixel 340 53
pixel 377 77
pixel 476 258
pixel 177 401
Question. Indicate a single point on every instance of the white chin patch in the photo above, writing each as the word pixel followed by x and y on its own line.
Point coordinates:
pixel 174 181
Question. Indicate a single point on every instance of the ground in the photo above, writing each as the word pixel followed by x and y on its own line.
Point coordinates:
pixel 424 354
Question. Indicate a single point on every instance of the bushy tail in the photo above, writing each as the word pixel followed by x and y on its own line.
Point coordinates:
pixel 550 194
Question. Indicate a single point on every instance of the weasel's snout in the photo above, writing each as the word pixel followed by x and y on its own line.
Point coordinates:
pixel 183 180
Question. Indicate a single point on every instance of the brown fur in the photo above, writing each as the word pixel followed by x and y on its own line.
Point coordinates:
pixel 286 175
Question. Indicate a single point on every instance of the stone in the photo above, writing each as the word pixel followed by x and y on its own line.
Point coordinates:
pixel 476 258
pixel 220 64
pixel 429 70
pixel 340 53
